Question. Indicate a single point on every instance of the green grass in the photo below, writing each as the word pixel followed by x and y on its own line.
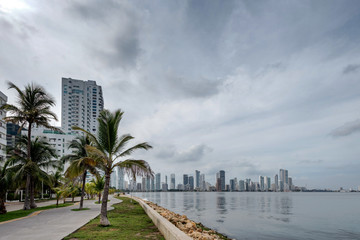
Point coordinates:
pixel 24 213
pixel 78 209
pixel 128 221
pixel 97 202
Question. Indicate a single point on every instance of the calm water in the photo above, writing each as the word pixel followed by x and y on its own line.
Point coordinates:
pixel 251 215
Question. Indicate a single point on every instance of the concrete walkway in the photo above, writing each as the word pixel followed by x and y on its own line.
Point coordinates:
pixel 53 223
pixel 13 206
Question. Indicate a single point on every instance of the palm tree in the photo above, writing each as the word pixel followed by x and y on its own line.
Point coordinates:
pixel 5 183
pixel 33 108
pixel 42 155
pixel 80 163
pixel 109 148
pixel 99 185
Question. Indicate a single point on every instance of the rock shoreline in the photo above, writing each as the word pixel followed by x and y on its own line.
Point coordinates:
pixel 191 228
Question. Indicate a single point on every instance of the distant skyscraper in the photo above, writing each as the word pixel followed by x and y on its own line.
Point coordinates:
pixel 121 178
pixel 191 183
pixel 241 185
pixel 276 183
pixel 197 179
pixel 143 184
pixel 152 184
pixel 290 183
pixel 284 180
pixel 172 181
pixel 267 183
pixel 113 179
pixel 222 180
pixel 186 180
pixel 148 184
pixel 82 101
pixel 158 182
pixel 3 100
pixel 232 185
pixel 261 183
pixel 202 182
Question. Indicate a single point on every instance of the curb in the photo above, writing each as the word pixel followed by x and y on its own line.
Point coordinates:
pixel 169 230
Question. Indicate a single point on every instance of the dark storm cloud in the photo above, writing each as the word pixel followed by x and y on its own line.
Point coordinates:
pixel 120 26
pixel 346 129
pixel 351 68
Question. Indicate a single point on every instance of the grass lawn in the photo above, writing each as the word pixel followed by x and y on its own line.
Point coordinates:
pixel 128 221
pixel 78 209
pixel 24 213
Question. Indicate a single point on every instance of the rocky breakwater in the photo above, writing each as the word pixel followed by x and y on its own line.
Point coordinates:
pixel 191 228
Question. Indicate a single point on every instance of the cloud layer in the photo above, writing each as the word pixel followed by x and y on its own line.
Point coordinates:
pixel 244 86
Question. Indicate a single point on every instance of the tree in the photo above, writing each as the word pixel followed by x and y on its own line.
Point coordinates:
pixel 33 107
pixel 80 163
pixel 99 184
pixel 109 148
pixel 5 183
pixel 42 155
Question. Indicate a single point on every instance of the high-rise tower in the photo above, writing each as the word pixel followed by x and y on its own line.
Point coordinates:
pixel 81 103
pixel 3 100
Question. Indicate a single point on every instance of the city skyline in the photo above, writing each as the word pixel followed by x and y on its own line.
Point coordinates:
pixel 210 85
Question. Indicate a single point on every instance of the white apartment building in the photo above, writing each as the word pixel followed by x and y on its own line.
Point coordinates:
pixel 59 140
pixel 3 100
pixel 81 103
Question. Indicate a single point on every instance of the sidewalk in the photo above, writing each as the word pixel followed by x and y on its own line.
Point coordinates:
pixel 13 206
pixel 53 223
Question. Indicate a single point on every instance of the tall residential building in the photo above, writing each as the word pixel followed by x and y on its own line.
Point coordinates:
pixel 191 183
pixel 152 184
pixel 143 184
pixel 222 180
pixel 267 183
pixel 81 103
pixel 3 100
pixel 241 185
pixel 261 183
pixel 284 180
pixel 158 182
pixel 148 183
pixel 202 182
pixel 185 180
pixel 172 181
pixel 12 134
pixel 276 183
pixel 232 185
pixel 121 178
pixel 113 179
pixel 290 184
pixel 57 139
pixel 197 179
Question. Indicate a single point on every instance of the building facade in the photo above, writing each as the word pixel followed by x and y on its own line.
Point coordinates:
pixel 81 103
pixel 3 100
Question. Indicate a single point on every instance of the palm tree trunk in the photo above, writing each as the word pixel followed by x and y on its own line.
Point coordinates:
pixel 32 194
pixel 57 201
pixel 28 180
pixel 83 190
pixel 103 215
pixel 99 197
pixel 27 195
pixel 2 204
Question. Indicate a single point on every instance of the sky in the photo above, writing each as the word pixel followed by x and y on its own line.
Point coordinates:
pixel 248 87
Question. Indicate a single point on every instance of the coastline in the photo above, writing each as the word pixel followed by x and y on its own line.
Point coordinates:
pixel 192 229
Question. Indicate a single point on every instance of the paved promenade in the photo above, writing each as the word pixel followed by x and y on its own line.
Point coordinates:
pixel 53 223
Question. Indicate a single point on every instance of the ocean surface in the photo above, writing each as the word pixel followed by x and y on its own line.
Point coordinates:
pixel 267 215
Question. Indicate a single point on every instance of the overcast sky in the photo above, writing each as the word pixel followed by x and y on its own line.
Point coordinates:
pixel 248 87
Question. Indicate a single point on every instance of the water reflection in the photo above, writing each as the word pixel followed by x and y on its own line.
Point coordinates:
pixel 221 204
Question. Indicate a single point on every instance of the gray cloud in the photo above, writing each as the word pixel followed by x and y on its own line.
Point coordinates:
pixel 192 154
pixel 310 161
pixel 351 68
pixel 346 129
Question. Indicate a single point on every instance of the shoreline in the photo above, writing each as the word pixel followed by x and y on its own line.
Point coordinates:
pixel 190 228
